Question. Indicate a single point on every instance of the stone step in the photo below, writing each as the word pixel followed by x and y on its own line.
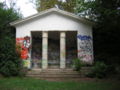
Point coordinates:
pixel 57 73
pixel 54 74
pixel 59 70
pixel 67 69
pixel 43 71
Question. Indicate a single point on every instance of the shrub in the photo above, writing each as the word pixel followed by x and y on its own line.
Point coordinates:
pixel 77 64
pixel 99 70
pixel 23 72
pixel 10 63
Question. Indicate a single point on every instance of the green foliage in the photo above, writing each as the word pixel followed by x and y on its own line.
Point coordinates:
pixel 98 10
pixel 85 9
pixel 107 31
pixel 69 5
pixel 45 4
pixel 77 64
pixel 99 70
pixel 106 14
pixel 102 70
pixel 10 63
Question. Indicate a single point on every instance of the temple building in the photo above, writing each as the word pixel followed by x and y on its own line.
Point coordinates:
pixel 53 39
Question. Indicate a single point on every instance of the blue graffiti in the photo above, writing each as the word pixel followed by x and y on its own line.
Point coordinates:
pixel 84 37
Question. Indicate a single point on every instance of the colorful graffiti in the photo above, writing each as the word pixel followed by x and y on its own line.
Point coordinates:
pixel 85 47
pixel 84 37
pixel 23 47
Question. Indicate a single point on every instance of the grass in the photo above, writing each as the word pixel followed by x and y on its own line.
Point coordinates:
pixel 36 84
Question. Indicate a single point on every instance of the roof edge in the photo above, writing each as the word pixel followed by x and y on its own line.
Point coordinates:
pixel 14 23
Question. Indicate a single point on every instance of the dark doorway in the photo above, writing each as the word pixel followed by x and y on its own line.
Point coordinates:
pixel 53 49
pixel 36 53
pixel 71 47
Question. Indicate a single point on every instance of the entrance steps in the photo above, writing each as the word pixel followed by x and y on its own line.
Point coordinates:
pixel 57 73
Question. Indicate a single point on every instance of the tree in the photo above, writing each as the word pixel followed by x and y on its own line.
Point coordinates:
pixel 106 14
pixel 10 63
pixel 46 4
pixel 68 5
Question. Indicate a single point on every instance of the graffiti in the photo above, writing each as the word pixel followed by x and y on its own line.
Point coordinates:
pixel 84 37
pixel 86 57
pixel 23 47
pixel 85 43
pixel 85 47
pixel 26 63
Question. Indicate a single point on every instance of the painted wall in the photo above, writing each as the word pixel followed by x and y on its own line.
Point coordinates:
pixel 85 48
pixel 23 46
pixel 58 22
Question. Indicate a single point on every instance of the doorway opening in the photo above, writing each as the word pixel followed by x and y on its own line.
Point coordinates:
pixel 71 48
pixel 36 53
pixel 53 49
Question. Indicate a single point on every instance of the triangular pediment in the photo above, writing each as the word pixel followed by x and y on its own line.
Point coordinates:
pixel 47 12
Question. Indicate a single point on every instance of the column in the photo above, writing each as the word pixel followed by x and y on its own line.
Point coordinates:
pixel 62 50
pixel 44 50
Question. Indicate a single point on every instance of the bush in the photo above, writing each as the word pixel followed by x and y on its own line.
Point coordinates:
pixel 99 70
pixel 77 64
pixel 23 72
pixel 10 63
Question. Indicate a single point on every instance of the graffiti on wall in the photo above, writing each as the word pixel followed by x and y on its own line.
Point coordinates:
pixel 85 47
pixel 23 47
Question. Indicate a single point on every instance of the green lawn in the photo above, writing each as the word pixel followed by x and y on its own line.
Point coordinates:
pixel 36 84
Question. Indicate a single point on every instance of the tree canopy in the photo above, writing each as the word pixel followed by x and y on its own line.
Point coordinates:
pixel 10 63
pixel 68 5
pixel 106 14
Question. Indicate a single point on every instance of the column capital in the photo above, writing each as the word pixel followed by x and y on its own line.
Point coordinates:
pixel 63 34
pixel 45 34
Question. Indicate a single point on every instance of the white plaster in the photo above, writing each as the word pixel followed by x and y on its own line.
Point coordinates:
pixel 45 50
pixel 54 22
pixel 62 50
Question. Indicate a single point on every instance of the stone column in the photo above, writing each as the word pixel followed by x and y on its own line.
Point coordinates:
pixel 62 50
pixel 44 49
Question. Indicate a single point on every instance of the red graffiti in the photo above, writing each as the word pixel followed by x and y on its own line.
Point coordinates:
pixel 24 53
pixel 23 45
pixel 87 57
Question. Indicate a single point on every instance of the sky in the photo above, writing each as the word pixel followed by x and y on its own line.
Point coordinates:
pixel 26 8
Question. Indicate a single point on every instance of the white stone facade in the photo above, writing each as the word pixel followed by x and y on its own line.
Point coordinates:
pixel 58 20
